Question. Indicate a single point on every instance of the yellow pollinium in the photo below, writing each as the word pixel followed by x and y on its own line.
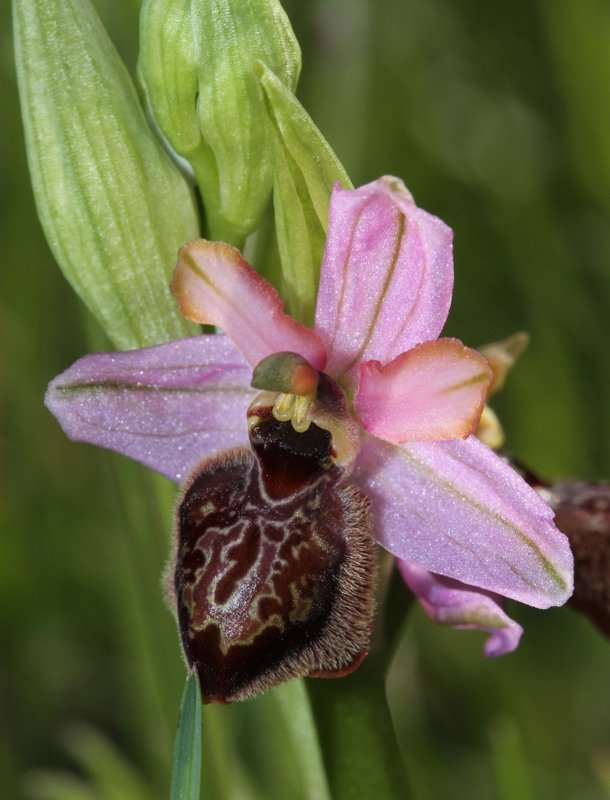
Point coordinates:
pixel 294 408
pixel 295 381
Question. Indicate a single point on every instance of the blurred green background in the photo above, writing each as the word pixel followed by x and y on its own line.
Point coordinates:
pixel 497 116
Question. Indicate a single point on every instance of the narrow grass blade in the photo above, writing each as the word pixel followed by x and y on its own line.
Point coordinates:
pixel 186 775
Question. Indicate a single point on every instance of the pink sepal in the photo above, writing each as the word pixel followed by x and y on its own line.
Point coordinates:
pixel 166 406
pixel 455 508
pixel 216 286
pixel 451 603
pixel 386 277
pixel 433 392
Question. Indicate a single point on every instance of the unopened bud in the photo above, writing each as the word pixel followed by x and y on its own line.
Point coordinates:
pixel 502 357
pixel 198 65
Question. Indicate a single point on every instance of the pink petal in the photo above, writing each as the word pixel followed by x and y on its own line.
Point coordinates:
pixel 435 391
pixel 450 602
pixel 457 509
pixel 166 406
pixel 216 286
pixel 386 277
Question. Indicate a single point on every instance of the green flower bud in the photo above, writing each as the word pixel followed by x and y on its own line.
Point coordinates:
pixel 112 204
pixel 305 169
pixel 198 66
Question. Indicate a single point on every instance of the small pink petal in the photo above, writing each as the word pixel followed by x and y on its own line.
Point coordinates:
pixel 166 406
pixel 455 508
pixel 450 602
pixel 435 391
pixel 386 277
pixel 216 286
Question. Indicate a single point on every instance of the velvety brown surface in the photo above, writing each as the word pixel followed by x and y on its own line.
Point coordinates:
pixel 265 579
pixel 583 514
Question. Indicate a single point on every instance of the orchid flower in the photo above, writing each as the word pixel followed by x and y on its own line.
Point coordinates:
pixel 298 447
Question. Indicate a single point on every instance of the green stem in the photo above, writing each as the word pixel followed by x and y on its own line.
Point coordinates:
pixel 357 735
pixel 392 616
pixel 356 729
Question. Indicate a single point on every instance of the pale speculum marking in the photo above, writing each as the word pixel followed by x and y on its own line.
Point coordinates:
pixel 275 564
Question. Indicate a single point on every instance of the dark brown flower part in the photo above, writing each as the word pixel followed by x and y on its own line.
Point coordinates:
pixel 275 564
pixel 583 514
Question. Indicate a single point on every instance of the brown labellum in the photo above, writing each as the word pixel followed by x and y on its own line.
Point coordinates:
pixel 582 512
pixel 274 565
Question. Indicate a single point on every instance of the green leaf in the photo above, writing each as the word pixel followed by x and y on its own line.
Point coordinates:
pixel 42 785
pixel 186 774
pixel 295 717
pixel 510 761
pixel 109 774
pixel 305 169
pixel 113 206
pixel 197 64
pixel 113 777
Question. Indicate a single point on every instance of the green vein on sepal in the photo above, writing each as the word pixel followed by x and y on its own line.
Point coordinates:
pixel 548 567
pixel 72 390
